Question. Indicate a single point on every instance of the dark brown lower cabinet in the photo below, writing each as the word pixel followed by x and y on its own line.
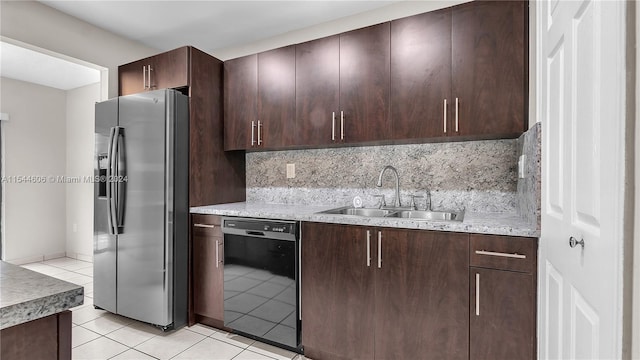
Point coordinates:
pixel 502 323
pixel 378 293
pixel 337 293
pixel 42 339
pixel 207 247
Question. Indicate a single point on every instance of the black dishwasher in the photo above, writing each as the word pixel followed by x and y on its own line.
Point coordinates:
pixel 261 280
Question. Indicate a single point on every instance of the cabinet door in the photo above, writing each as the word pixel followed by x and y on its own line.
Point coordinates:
pixel 422 295
pixel 170 69
pixel 318 91
pixel 502 315
pixel 421 75
pixel 276 97
pixel 364 83
pixel 488 68
pixel 131 79
pixel 337 292
pixel 208 274
pixel 240 102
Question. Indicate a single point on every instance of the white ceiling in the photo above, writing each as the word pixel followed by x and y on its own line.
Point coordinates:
pixel 32 66
pixel 208 25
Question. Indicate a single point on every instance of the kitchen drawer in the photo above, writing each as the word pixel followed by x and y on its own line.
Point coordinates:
pixel 207 225
pixel 503 252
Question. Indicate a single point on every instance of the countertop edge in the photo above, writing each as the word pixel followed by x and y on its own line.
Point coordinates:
pixel 35 309
pixel 476 223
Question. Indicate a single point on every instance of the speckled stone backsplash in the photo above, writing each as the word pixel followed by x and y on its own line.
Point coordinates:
pixel 529 188
pixel 476 175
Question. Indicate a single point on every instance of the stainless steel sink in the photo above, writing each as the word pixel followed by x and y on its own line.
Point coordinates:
pixel 429 215
pixel 371 212
pixel 399 213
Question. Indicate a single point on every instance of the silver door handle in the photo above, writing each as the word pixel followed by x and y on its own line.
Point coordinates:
pixel 253 130
pixel 121 175
pixel 341 125
pixel 457 114
pixel 217 254
pixel 477 294
pixel 444 115
pixel 204 226
pixel 379 249
pixel 368 248
pixel 501 254
pixel 573 242
pixel 144 76
pixel 149 77
pixel 109 184
pixel 259 136
pixel 333 126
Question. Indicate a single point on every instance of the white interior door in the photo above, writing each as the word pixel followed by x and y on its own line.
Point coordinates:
pixel 581 84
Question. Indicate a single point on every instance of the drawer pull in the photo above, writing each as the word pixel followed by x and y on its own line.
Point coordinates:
pixel 204 226
pixel 477 294
pixel 500 254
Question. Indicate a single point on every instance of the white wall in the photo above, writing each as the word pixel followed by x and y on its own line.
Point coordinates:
pixel 34 146
pixel 80 127
pixel 36 24
pixel 377 16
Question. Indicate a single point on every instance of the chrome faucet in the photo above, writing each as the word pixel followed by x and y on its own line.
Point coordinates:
pixel 396 202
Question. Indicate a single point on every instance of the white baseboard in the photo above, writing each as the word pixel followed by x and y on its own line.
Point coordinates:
pixel 39 258
pixel 84 257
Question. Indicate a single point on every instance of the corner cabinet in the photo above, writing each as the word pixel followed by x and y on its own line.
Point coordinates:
pixel 503 297
pixel 207 268
pixel 378 293
pixel 460 71
pixel 215 176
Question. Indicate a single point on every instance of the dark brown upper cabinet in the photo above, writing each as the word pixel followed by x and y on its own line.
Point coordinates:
pixel 276 98
pixel 421 75
pixel 259 100
pixel 318 91
pixel 240 102
pixel 364 85
pixel 488 69
pixel 460 72
pixel 215 176
pixel 163 71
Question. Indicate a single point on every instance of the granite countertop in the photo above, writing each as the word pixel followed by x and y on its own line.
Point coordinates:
pixel 474 222
pixel 27 295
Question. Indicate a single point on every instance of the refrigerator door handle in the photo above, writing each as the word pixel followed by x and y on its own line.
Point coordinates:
pixel 110 190
pixel 120 179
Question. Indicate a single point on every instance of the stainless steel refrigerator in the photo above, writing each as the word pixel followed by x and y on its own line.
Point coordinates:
pixel 141 207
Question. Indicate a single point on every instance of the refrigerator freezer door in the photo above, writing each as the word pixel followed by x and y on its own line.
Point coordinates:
pixel 104 243
pixel 144 290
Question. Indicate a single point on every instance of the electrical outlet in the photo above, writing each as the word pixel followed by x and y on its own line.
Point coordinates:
pixel 521 168
pixel 75 228
pixel 291 171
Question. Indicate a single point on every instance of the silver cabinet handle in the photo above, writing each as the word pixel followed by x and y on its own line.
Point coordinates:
pixel 444 115
pixel 333 126
pixel 217 254
pixel 457 114
pixel 253 130
pixel 368 248
pixel 341 125
pixel 149 77
pixel 477 294
pixel 144 76
pixel 501 254
pixel 259 136
pixel 379 249
pixel 204 226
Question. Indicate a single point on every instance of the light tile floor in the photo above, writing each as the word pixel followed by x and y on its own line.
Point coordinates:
pixel 97 334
